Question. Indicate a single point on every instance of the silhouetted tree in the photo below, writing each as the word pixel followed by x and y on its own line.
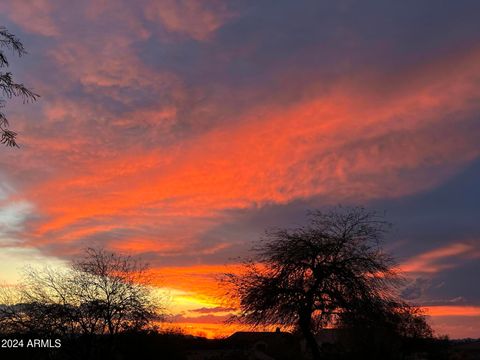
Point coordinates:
pixel 8 86
pixel 308 277
pixel 386 331
pixel 101 293
pixel 115 287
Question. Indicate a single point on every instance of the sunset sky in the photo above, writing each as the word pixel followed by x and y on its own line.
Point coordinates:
pixel 181 130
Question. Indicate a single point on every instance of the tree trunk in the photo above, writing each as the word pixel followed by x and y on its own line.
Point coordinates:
pixel 309 338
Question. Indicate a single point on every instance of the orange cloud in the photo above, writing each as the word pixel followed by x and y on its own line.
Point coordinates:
pixel 340 146
pixel 452 310
pixel 200 281
pixel 438 259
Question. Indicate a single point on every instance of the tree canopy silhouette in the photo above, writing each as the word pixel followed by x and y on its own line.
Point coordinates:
pixel 8 86
pixel 331 271
pixel 101 293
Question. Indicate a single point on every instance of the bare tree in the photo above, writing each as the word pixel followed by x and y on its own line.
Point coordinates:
pixel 8 86
pixel 101 293
pixel 311 276
pixel 11 318
pixel 116 287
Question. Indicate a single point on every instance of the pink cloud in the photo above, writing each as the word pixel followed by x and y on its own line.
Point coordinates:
pixel 438 259
pixel 198 20
pixel 35 16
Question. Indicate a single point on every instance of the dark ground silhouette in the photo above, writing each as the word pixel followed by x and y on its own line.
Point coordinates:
pixel 243 345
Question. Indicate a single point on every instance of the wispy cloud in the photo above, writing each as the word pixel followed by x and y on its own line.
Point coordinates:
pixel 440 259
